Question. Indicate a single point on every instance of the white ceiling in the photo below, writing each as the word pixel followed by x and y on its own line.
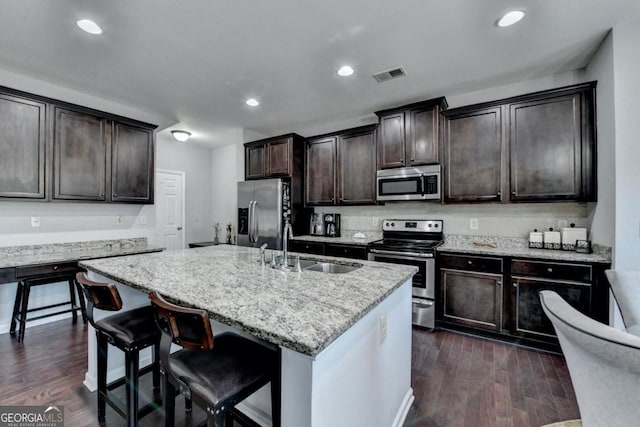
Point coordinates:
pixel 196 61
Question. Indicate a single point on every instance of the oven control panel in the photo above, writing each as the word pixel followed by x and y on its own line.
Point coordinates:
pixel 420 225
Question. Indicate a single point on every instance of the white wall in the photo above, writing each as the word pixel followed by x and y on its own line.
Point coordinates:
pixel 600 68
pixel 626 63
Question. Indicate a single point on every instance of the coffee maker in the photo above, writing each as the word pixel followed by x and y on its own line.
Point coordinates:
pixel 316 227
pixel 332 225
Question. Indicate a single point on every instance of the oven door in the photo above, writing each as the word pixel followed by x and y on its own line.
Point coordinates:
pixel 423 280
pixel 401 187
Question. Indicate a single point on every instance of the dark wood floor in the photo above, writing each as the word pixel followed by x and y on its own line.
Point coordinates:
pixel 458 380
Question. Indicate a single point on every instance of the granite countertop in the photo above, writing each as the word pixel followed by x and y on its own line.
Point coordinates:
pixel 514 247
pixel 20 256
pixel 345 239
pixel 304 312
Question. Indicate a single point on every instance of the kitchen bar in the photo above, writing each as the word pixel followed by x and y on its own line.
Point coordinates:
pixel 345 338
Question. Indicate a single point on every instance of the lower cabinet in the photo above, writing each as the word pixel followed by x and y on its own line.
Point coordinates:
pixel 471 291
pixel 498 296
pixel 330 249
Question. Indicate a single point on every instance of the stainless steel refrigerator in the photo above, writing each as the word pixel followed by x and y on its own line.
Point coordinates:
pixel 263 205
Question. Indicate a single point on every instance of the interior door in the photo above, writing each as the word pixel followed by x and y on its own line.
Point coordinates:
pixel 170 209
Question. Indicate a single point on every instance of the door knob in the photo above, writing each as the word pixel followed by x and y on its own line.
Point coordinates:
pixel 179 228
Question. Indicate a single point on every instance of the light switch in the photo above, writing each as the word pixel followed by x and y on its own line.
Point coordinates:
pixel 35 222
pixel 473 223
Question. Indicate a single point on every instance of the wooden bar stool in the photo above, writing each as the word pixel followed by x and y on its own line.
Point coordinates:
pixel 215 372
pixel 21 303
pixel 129 331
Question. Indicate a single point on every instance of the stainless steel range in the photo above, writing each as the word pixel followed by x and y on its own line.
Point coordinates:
pixel 413 242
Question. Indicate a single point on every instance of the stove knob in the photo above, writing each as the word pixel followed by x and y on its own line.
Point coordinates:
pixel 386 224
pixel 393 224
pixel 436 225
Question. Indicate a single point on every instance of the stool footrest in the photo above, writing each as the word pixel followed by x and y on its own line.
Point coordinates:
pixel 121 381
pixel 119 406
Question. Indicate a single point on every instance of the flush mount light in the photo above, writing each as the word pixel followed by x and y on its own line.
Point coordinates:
pixel 181 135
pixel 510 18
pixel 89 26
pixel 345 71
pixel 252 102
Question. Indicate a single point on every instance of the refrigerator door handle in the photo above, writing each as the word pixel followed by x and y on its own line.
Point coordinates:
pixel 251 220
pixel 255 222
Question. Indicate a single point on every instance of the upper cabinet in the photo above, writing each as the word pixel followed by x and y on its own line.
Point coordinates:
pixel 281 156
pixel 410 135
pixel 536 147
pixel 52 150
pixel 340 168
pixel 22 147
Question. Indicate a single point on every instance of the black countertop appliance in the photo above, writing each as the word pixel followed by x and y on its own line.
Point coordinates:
pixel 332 225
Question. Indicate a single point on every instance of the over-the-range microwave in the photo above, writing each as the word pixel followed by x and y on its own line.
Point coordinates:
pixel 413 183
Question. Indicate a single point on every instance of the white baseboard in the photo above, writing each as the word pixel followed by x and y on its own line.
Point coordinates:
pixel 401 416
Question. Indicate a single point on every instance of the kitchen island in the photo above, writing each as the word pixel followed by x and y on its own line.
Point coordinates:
pixel 345 339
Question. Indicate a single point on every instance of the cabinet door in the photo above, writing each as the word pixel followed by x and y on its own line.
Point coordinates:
pixel 545 143
pixel 80 144
pixel 357 168
pixel 527 314
pixel 279 158
pixel 22 147
pixel 422 136
pixel 346 251
pixel 306 247
pixel 473 156
pixel 254 157
pixel 132 164
pixel 391 150
pixel 472 299
pixel 320 173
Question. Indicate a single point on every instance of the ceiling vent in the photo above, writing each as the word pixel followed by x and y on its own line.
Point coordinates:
pixel 393 73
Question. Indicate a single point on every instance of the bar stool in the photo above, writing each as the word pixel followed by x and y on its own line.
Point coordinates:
pixel 129 331
pixel 215 372
pixel 21 303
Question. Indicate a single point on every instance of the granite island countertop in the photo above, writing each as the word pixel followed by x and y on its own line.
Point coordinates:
pixel 29 255
pixel 304 312
pixel 518 247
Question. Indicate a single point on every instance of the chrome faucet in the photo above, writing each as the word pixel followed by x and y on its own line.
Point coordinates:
pixel 288 233
pixel 262 249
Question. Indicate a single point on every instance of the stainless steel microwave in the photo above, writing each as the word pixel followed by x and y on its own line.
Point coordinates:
pixel 415 183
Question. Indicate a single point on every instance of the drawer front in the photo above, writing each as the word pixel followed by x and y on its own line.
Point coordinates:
pixel 47 269
pixel 472 263
pixel 7 275
pixel 346 251
pixel 552 270
pixel 306 247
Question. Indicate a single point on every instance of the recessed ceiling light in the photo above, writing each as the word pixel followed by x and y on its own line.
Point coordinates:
pixel 345 71
pixel 89 26
pixel 510 18
pixel 252 102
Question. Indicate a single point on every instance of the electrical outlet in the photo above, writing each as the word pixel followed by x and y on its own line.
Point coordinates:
pixel 143 219
pixel 563 223
pixel 35 222
pixel 473 223
pixel 383 328
pixel 374 221
pixel 119 219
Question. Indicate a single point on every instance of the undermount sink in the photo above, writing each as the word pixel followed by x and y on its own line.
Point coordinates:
pixel 329 267
pixel 291 262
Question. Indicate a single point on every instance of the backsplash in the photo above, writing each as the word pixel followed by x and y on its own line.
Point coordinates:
pixel 508 220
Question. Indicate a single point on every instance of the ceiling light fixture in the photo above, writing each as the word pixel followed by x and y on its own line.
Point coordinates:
pixel 510 18
pixel 345 71
pixel 89 26
pixel 181 135
pixel 252 102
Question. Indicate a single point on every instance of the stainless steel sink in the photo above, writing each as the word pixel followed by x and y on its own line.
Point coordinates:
pixel 329 267
pixel 291 262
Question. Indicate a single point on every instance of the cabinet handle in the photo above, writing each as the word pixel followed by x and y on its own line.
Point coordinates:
pixel 550 270
pixel 499 193
pixel 515 284
pixel 55 267
pixel 513 193
pixel 469 262
pixel 115 194
pixel 102 194
pixel 499 283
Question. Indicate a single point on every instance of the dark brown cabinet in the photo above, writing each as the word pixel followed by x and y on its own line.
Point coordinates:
pixel 410 135
pixel 498 296
pixel 132 164
pixel 471 291
pixel 331 249
pixel 573 282
pixel 340 168
pixel 473 155
pixel 275 157
pixel 80 153
pixel 53 150
pixel 537 147
pixel 22 147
